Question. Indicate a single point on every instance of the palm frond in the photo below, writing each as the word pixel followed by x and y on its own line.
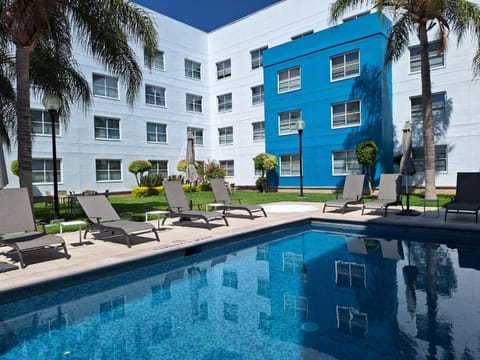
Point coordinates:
pixel 339 7
pixel 399 38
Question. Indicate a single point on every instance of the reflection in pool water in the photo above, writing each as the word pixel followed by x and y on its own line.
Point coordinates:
pixel 304 294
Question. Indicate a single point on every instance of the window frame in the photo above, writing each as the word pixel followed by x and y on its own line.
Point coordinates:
pixel 156 132
pixel 224 69
pixel 190 69
pixel 346 114
pixel 45 124
pixel 157 170
pixel 256 57
pixel 292 122
pixel 414 62
pixel 198 133
pixel 258 134
pixel 344 66
pixel 105 87
pixel 350 159
pixel 46 172
pixel 109 171
pixel 418 157
pixel 416 107
pixel 107 120
pixel 260 96
pixel 293 83
pixel 293 161
pixel 224 103
pixel 159 92
pixel 225 135
pixel 228 166
pixel 196 108
pixel 302 35
pixel 155 60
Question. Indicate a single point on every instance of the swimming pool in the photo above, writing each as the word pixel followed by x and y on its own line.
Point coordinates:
pixel 317 291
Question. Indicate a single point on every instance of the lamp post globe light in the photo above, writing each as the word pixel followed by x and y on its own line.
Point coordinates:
pixel 52 103
pixel 300 126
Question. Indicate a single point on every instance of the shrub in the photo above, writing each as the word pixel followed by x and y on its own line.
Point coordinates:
pixel 151 180
pixel 213 170
pixel 143 191
pixel 261 183
pixel 186 188
pixel 139 167
pixel 14 167
pixel 205 186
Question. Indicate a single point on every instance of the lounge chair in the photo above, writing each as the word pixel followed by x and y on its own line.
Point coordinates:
pixel 178 206
pixel 220 192
pixel 467 197
pixel 352 193
pixel 103 217
pixel 388 193
pixel 17 225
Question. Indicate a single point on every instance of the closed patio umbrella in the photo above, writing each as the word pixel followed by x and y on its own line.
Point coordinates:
pixel 191 173
pixel 3 169
pixel 407 168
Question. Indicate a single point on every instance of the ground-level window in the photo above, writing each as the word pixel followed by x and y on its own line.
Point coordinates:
pixel 345 163
pixel 346 114
pixel 156 133
pixel 108 169
pixel 290 165
pixel 197 135
pixel 159 167
pixel 225 135
pixel 42 123
pixel 106 86
pixel 441 157
pixel 258 131
pixel 288 122
pixel 194 103
pixel 42 171
pixel 228 167
pixel 107 128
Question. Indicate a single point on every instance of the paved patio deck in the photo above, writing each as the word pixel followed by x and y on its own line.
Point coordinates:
pixel 43 266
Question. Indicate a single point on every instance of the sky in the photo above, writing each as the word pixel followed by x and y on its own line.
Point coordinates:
pixel 206 15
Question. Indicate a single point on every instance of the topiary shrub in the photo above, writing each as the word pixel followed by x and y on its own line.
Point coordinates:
pixel 261 183
pixel 138 167
pixel 14 167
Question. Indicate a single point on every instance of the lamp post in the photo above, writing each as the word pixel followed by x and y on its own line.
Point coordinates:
pixel 300 126
pixel 52 103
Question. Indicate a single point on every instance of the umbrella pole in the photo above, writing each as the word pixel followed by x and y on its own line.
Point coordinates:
pixel 408 194
pixel 191 201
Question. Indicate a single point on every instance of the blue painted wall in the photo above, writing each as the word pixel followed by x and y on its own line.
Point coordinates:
pixel 368 34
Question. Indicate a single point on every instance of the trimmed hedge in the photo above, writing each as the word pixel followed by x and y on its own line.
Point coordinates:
pixel 144 191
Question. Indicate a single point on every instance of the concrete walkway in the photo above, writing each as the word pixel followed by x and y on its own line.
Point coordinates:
pixel 50 265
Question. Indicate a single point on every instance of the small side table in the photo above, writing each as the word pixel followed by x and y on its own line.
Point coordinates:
pixel 157 213
pixel 214 206
pixel 78 223
pixel 436 202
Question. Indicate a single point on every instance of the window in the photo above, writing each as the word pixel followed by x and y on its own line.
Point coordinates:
pixel 257 58
pixel 224 69
pixel 158 62
pixel 441 157
pixel 290 165
pixel 438 108
pixel 289 80
pixel 230 313
pixel 161 294
pixel 292 262
pixel 435 56
pixel 154 95
pixel 346 114
pixel 345 163
pixel 262 253
pixel 197 136
pixel 156 133
pixel 225 135
pixel 263 288
pixel 228 167
pixel 302 35
pixel 108 170
pixel 257 95
pixel 193 69
pixel 230 279
pixel 350 274
pixel 345 66
pixel 295 306
pixel 42 171
pixel 42 123
pixel 159 167
pixel 352 321
pixel 258 131
pixel 107 128
pixel 194 103
pixel 287 122
pixel 106 86
pixel 224 102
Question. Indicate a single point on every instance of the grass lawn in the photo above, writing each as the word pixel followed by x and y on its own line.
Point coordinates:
pixel 135 208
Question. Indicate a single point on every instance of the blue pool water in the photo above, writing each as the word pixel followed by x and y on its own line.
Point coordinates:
pixel 311 292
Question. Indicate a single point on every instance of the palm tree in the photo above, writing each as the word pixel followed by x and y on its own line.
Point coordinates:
pixel 419 17
pixel 41 31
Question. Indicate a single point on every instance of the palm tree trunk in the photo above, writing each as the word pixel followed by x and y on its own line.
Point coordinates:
pixel 24 133
pixel 428 126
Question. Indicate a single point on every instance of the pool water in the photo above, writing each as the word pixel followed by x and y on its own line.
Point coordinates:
pixel 311 292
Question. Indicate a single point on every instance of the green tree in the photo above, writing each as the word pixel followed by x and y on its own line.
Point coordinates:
pixel 138 167
pixel 264 162
pixel 41 32
pixel 420 17
pixel 367 152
